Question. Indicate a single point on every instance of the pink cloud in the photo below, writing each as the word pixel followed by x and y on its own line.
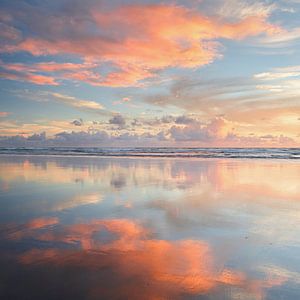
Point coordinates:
pixel 138 40
pixel 4 113
pixel 29 77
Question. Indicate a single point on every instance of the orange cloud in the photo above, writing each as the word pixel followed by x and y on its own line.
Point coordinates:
pixel 47 67
pixel 139 40
pixel 24 72
pixel 29 77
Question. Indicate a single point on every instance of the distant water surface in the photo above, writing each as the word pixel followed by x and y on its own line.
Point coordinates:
pixel 279 153
pixel 161 228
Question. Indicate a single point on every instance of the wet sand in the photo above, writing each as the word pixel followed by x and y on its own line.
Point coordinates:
pixel 149 228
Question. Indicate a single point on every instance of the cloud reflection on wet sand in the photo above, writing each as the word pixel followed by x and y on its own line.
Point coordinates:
pixel 144 267
pixel 88 228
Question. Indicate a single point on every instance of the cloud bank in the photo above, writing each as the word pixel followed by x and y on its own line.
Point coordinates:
pixel 182 131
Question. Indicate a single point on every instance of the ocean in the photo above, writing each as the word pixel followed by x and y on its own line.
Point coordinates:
pixel 277 153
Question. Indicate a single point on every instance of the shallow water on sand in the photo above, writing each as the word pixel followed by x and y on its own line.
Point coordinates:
pixel 149 228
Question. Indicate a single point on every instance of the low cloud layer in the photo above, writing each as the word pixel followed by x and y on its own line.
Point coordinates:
pixel 118 120
pixel 178 131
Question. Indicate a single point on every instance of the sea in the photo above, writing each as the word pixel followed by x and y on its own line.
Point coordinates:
pixel 249 153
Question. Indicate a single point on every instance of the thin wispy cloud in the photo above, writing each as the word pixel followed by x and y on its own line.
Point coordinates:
pixel 238 9
pixel 73 101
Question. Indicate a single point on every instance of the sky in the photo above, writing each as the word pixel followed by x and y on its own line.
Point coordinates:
pixel 205 73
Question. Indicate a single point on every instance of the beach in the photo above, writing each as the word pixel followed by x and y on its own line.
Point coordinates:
pixel 86 227
pixel 150 150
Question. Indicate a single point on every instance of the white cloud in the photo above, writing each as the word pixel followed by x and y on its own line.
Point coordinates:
pixel 242 9
pixel 276 75
pixel 282 80
pixel 217 129
pixel 73 101
pixel 281 39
